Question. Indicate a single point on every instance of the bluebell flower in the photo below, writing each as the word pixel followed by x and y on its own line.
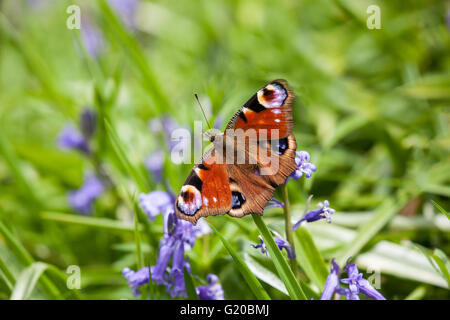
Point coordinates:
pixel 324 212
pixel 154 163
pixel 156 202
pixel 281 243
pixel 38 4
pixel 356 283
pixel 347 293
pixel 261 245
pixel 332 282
pixel 71 138
pixel 88 122
pixel 304 166
pixel 218 122
pixel 126 10
pixel 166 126
pixel 136 278
pixel 81 200
pixel 274 203
pixel 212 291
pixel 92 37
pixel 179 235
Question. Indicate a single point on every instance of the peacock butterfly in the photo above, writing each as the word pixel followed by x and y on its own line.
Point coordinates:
pixel 260 152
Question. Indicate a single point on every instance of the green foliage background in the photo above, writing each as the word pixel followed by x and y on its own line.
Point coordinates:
pixel 372 110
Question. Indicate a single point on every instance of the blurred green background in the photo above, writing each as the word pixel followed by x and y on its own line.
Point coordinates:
pixel 372 109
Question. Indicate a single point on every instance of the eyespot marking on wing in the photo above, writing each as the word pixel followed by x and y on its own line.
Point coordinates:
pixel 272 96
pixel 238 200
pixel 280 146
pixel 190 200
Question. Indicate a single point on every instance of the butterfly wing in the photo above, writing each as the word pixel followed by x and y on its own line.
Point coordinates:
pixel 270 109
pixel 214 187
pixel 249 191
pixel 206 191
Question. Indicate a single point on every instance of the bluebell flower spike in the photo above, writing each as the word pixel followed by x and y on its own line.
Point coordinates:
pixel 324 212
pixel 281 243
pixel 212 291
pixel 332 282
pixel 179 236
pixel 304 167
pixel 88 123
pixel 81 200
pixel 136 278
pixel 356 283
pixel 71 139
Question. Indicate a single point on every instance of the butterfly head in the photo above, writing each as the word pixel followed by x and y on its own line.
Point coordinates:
pixel 212 134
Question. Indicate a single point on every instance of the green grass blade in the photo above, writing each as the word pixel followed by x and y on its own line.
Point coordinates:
pixel 189 283
pixel 14 165
pixel 27 281
pixel 15 246
pixel 248 276
pixel 441 209
pixel 101 223
pixel 26 259
pixel 6 274
pixel 438 260
pixel 417 294
pixel 264 274
pixel 120 153
pixel 369 229
pixel 309 258
pixel 285 273
pixel 132 49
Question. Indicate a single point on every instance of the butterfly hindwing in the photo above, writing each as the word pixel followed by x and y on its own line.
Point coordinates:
pixel 250 192
pixel 276 159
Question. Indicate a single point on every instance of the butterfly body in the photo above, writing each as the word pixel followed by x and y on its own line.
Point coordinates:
pixel 255 154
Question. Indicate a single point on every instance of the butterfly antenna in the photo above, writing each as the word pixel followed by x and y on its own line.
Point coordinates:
pixel 203 111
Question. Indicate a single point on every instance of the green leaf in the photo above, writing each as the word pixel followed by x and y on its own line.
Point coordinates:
pixel 26 259
pixel 285 273
pixel 309 258
pixel 27 281
pixel 441 209
pixel 368 230
pixel 438 260
pixel 15 168
pixel 264 274
pixel 417 294
pixel 248 276
pixel 189 283
pixel 442 261
pixel 402 261
pixel 6 274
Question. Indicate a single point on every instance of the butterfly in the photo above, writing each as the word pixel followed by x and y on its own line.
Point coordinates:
pixel 259 148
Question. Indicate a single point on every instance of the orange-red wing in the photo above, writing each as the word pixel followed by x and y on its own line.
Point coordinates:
pixel 206 191
pixel 269 108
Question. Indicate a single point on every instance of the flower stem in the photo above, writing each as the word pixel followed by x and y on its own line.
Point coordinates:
pixel 288 226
